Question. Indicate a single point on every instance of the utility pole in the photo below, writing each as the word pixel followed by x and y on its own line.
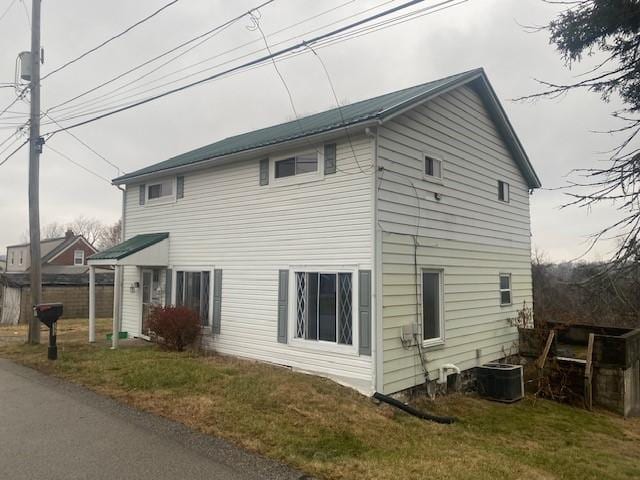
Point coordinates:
pixel 35 148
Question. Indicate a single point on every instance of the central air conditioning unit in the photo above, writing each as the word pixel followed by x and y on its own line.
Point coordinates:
pixel 502 382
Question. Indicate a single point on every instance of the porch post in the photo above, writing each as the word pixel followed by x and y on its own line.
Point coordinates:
pixel 116 306
pixel 92 304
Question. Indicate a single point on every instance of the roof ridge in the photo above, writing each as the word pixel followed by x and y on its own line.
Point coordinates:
pixel 337 108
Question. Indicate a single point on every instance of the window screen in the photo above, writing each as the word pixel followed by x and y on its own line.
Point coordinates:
pixel 324 307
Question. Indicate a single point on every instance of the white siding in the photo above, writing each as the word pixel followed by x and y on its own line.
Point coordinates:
pixel 226 220
pixel 468 233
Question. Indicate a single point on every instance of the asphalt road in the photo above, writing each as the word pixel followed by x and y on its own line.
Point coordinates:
pixel 50 429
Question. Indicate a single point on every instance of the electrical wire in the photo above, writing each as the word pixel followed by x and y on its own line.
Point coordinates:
pixel 157 57
pixel 251 63
pixel 123 90
pixel 77 164
pixel 26 12
pixel 322 44
pixel 6 159
pixel 111 39
pixel 86 145
pixel 6 10
pixel 335 96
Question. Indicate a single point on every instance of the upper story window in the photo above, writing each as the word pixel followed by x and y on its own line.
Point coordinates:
pixel 503 191
pixel 21 257
pixel 301 163
pixel 78 257
pixel 324 307
pixel 160 190
pixel 13 258
pixel 505 289
pixel 432 166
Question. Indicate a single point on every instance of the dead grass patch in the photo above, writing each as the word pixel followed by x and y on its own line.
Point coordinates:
pixel 333 432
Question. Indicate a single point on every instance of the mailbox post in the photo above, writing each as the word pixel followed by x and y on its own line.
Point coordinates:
pixel 49 313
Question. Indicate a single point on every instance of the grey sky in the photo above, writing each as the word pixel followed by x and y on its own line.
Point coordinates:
pixel 556 134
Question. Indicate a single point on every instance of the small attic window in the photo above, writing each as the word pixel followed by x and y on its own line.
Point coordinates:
pixel 432 166
pixel 503 191
pixel 301 163
pixel 161 190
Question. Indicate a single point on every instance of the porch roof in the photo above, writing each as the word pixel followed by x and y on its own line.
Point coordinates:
pixel 144 249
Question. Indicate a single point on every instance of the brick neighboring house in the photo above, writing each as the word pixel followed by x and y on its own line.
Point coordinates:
pixel 66 254
pixel 64 279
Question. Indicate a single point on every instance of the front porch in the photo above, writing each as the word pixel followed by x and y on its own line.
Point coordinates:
pixel 149 253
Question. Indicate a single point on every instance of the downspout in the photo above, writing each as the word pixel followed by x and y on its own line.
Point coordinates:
pixel 378 359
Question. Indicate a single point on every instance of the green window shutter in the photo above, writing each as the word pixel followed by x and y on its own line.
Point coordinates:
pixel 329 158
pixel 283 305
pixel 264 171
pixel 217 300
pixel 167 286
pixel 364 311
pixel 143 193
pixel 180 187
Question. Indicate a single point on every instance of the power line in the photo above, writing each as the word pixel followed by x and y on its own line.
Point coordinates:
pixel 111 39
pixel 183 44
pixel 6 10
pixel 262 59
pixel 26 12
pixel 119 91
pixel 335 96
pixel 86 145
pixel 13 153
pixel 15 100
pixel 338 39
pixel 291 53
pixel 77 164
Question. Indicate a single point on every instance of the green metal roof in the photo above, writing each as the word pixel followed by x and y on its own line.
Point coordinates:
pixel 377 108
pixel 129 247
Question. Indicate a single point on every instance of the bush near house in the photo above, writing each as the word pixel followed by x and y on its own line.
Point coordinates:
pixel 175 327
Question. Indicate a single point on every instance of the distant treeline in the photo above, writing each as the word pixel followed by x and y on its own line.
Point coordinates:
pixel 586 293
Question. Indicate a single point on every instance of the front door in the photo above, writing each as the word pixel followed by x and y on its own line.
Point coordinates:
pixel 151 296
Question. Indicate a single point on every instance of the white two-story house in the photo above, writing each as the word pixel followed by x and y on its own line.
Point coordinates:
pixel 370 244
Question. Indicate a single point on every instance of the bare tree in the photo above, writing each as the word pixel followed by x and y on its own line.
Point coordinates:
pixel 610 28
pixel 91 229
pixel 52 230
pixel 110 236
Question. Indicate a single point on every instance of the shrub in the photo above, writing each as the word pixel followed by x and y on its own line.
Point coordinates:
pixel 175 327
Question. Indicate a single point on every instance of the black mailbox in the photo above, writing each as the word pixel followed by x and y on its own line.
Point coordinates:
pixel 49 313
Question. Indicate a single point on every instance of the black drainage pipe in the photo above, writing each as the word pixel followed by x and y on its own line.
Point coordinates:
pixel 413 411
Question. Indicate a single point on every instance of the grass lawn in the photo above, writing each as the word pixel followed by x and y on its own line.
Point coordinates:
pixel 333 432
